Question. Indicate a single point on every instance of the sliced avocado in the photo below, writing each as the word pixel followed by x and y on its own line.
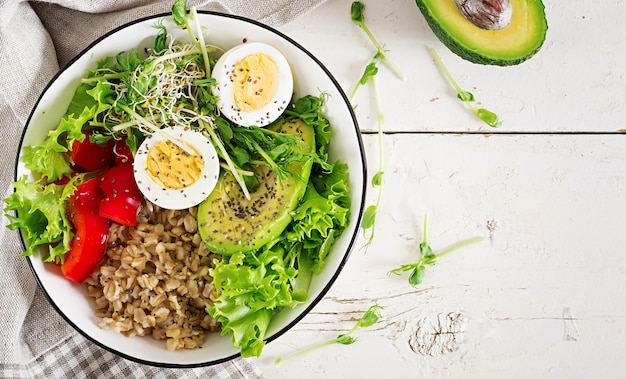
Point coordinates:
pixel 230 223
pixel 510 45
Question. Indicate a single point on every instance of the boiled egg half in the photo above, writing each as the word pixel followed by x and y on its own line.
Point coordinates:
pixel 176 167
pixel 254 84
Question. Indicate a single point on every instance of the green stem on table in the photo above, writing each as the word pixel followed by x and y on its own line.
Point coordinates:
pixel 466 97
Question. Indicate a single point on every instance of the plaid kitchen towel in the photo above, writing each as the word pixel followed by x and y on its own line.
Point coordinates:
pixel 36 38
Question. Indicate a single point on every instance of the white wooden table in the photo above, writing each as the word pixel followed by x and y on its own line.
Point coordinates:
pixel 545 295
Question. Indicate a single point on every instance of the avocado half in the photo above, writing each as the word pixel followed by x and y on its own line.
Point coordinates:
pixel 511 45
pixel 229 223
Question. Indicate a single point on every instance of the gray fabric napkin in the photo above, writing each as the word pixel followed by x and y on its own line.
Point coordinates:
pixel 36 38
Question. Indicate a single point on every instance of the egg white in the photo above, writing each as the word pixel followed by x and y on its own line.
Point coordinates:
pixel 224 87
pixel 181 198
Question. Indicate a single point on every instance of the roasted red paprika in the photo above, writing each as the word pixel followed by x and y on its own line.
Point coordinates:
pixel 91 232
pixel 122 197
pixel 90 155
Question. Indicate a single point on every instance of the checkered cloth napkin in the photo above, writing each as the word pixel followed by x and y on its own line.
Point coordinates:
pixel 36 38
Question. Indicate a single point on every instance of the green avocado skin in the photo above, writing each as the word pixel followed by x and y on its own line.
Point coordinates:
pixel 448 39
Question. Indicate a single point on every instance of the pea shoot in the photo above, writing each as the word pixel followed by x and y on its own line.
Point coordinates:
pixel 369 318
pixel 369 75
pixel 181 18
pixel 428 257
pixel 467 97
pixel 370 72
pixel 356 12
pixel 369 216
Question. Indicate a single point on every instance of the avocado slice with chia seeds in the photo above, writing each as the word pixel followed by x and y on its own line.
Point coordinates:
pixel 463 27
pixel 229 223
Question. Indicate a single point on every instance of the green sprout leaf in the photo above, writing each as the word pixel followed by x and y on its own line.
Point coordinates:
pixel 466 97
pixel 377 180
pixel 357 14
pixel 370 71
pixel 428 257
pixel 417 275
pixel 369 217
pixel 369 318
pixel 488 117
pixel 179 13
pixel 345 339
pixel 160 40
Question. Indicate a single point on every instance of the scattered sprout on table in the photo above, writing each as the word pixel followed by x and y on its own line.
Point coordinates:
pixel 467 97
pixel 356 12
pixel 369 74
pixel 369 318
pixel 428 257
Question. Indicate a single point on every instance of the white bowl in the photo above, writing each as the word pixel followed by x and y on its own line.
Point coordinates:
pixel 310 77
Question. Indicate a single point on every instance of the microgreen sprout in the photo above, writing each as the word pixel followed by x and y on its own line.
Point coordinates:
pixel 207 125
pixel 428 257
pixel 370 71
pixel 155 129
pixel 369 216
pixel 356 12
pixel 467 97
pixel 369 318
pixel 209 130
pixel 369 74
pixel 181 18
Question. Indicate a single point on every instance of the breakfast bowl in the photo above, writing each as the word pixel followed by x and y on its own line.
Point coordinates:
pixel 74 299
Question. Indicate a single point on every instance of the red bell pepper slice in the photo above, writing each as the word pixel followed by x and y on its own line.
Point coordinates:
pixel 92 156
pixel 91 232
pixel 122 197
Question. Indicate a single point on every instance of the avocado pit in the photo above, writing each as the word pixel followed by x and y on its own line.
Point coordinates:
pixel 486 14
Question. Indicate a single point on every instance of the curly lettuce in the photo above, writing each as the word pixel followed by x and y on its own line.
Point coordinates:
pixel 41 217
pixel 50 159
pixel 37 207
pixel 251 287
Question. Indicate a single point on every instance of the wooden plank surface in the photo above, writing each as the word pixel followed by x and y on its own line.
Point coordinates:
pixel 575 83
pixel 544 296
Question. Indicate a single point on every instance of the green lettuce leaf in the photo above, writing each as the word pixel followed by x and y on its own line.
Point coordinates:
pixel 250 288
pixel 41 217
pixel 99 96
pixel 323 215
pixel 50 159
pixel 81 100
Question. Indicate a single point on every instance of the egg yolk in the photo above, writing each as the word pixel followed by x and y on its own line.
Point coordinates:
pixel 255 81
pixel 172 167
